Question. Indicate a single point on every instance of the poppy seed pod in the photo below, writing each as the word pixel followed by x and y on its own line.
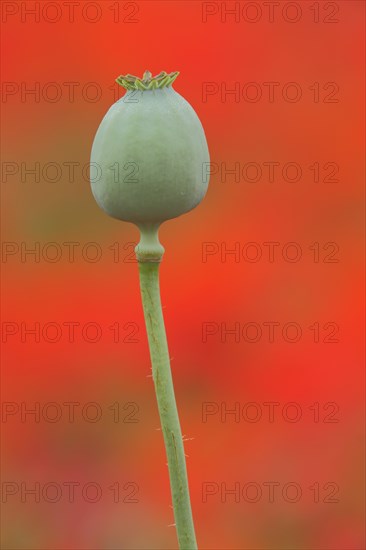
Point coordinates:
pixel 151 151
pixel 151 155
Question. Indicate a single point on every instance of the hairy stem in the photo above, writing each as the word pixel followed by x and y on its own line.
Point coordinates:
pixel 149 253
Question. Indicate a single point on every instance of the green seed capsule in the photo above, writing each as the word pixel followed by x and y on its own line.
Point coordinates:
pixel 151 153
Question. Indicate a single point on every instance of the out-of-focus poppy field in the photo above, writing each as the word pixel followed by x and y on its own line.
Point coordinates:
pixel 262 284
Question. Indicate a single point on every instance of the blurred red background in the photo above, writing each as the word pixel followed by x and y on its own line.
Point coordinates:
pixel 311 56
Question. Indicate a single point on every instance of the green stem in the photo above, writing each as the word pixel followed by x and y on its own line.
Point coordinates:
pixel 149 253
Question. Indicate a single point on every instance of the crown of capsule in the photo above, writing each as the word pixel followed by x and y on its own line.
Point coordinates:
pixel 147 82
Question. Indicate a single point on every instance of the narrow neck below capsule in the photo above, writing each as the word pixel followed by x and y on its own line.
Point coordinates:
pixel 149 249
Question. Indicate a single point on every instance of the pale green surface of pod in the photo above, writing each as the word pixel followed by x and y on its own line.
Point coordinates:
pixel 151 157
